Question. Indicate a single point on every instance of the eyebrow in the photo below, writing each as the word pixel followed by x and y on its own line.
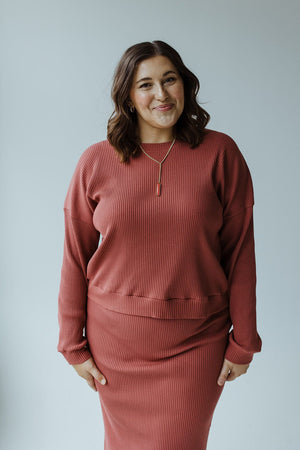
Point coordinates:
pixel 148 78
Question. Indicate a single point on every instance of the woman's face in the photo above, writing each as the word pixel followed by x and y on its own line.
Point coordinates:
pixel 163 86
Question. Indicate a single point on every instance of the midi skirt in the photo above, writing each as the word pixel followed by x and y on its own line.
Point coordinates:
pixel 161 377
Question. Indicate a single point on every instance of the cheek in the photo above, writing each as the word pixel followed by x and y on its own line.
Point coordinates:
pixel 178 92
pixel 142 100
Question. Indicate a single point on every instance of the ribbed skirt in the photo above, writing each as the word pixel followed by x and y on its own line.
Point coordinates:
pixel 161 389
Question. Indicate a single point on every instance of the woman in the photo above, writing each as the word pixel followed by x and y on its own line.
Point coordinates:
pixel 173 202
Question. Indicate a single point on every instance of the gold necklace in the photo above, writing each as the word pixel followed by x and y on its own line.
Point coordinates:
pixel 158 185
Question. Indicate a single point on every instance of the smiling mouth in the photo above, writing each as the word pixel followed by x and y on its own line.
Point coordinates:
pixel 164 108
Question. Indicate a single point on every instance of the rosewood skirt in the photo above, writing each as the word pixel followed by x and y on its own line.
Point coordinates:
pixel 161 389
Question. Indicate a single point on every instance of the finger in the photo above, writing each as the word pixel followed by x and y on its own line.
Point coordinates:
pixel 223 374
pixel 232 376
pixel 91 382
pixel 95 372
pixel 236 372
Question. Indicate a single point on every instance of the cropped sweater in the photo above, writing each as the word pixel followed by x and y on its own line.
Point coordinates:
pixel 186 253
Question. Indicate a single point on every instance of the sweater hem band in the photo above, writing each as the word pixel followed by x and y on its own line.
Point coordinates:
pixel 174 308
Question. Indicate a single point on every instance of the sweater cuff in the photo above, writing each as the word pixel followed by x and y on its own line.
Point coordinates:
pixel 77 356
pixel 235 353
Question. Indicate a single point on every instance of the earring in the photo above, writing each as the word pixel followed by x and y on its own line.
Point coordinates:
pixel 131 107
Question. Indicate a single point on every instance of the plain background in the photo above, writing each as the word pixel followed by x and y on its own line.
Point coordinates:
pixel 57 63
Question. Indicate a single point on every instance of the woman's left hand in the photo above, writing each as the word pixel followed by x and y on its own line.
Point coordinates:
pixel 230 371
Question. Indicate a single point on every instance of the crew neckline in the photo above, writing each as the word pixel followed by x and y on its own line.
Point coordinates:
pixel 157 143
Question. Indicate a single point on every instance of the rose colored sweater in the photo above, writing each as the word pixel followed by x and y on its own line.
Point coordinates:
pixel 187 253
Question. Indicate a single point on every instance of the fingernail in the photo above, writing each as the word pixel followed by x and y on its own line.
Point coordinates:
pixel 103 381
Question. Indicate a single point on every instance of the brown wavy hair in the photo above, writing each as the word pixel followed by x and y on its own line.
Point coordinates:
pixel 122 127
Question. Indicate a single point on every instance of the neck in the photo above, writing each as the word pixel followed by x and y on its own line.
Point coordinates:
pixel 153 138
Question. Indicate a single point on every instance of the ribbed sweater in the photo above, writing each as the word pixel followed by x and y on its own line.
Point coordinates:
pixel 187 253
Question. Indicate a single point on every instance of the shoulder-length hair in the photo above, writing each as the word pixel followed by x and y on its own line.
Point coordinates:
pixel 122 128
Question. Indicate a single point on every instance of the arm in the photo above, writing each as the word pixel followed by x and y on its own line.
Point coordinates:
pixel 238 260
pixel 235 190
pixel 80 242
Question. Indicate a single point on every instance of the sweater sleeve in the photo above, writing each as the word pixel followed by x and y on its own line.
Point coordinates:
pixel 80 242
pixel 236 235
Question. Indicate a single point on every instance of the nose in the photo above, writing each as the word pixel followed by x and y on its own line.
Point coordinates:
pixel 161 93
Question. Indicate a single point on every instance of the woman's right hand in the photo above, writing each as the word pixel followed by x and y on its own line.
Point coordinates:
pixel 88 370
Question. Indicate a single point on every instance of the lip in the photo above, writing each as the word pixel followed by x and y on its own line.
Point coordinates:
pixel 164 107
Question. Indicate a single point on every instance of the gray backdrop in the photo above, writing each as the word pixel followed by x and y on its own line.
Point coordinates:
pixel 57 62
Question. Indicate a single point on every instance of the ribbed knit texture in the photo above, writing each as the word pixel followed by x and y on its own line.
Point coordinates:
pixel 184 255
pixel 161 389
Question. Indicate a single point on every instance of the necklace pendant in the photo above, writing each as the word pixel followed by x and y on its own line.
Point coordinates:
pixel 158 184
pixel 158 189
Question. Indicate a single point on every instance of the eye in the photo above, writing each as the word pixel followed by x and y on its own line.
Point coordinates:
pixel 170 78
pixel 145 84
